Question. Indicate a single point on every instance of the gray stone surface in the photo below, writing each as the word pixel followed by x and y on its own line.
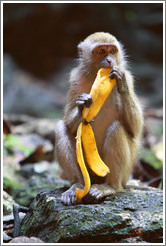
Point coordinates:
pixel 134 215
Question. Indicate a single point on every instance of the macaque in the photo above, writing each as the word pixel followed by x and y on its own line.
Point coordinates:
pixel 117 127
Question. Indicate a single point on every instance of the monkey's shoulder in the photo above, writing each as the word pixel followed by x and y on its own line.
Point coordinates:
pixel 75 75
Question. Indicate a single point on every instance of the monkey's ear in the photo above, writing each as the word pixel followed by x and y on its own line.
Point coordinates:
pixel 80 48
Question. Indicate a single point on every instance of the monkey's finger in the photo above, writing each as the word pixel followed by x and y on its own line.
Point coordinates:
pixel 63 199
pixel 73 199
pixel 67 200
pixel 84 103
pixel 84 100
pixel 93 189
pixel 88 102
pixel 84 97
pixel 79 103
pixel 94 192
pixel 115 69
pixel 116 75
pixel 97 194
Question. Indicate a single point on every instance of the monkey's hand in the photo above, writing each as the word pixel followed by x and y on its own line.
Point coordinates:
pixel 84 100
pixel 120 79
pixel 98 192
pixel 68 197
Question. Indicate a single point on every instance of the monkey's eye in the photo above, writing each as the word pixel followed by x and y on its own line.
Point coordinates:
pixel 101 51
pixel 113 50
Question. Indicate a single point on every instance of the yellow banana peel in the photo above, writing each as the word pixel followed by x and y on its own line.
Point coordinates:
pixel 92 156
pixel 80 193
pixel 100 90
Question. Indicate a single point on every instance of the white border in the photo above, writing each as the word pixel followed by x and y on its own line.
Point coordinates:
pixel 99 1
pixel 1 123
pixel 164 123
pixel 163 2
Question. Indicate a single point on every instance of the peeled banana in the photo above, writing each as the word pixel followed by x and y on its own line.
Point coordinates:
pixel 100 90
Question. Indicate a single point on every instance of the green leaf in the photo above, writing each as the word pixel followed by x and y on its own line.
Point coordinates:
pixel 149 156
pixel 12 142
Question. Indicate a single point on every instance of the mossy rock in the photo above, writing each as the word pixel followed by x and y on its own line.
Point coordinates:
pixel 134 215
pixel 8 203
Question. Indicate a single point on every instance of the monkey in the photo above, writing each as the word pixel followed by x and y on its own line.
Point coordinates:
pixel 117 127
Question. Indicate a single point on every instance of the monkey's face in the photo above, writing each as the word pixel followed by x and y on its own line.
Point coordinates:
pixel 105 55
pixel 100 50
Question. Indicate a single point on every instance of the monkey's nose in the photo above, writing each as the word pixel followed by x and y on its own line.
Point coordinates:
pixel 109 62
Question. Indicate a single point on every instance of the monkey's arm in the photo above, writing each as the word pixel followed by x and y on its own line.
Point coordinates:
pixel 72 119
pixel 131 112
pixel 76 102
pixel 72 115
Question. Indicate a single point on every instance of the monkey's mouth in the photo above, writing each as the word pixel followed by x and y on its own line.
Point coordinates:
pixel 104 65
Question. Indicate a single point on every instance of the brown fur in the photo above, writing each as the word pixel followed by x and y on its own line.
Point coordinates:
pixel 117 127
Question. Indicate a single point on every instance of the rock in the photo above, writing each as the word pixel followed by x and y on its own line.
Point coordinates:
pixel 36 99
pixel 26 240
pixel 24 125
pixel 8 203
pixel 43 127
pixel 6 238
pixel 37 181
pixel 10 218
pixel 31 179
pixel 134 215
pixel 33 141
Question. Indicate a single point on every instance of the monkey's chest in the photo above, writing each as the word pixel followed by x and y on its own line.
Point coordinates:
pixel 107 114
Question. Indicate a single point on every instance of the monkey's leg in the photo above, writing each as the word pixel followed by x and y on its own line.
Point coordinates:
pixel 117 156
pixel 118 153
pixel 66 156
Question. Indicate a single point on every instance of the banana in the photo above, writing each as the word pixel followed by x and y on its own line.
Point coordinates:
pixel 80 193
pixel 92 156
pixel 100 90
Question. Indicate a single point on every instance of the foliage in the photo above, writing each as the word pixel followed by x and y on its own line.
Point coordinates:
pixel 10 185
pixel 149 156
pixel 159 131
pixel 12 142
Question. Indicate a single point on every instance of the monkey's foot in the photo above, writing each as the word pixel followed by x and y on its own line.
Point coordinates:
pixel 98 192
pixel 68 197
